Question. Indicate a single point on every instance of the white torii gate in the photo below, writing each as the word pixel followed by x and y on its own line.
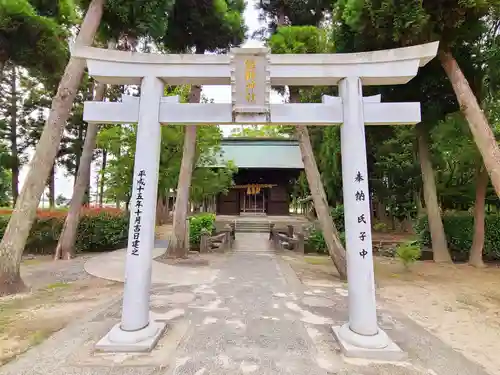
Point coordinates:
pixel 251 72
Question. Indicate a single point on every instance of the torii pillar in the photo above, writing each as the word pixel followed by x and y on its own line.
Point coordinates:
pixel 361 336
pixel 137 332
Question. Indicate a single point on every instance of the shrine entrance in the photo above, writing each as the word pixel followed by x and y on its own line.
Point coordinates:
pixel 254 198
pixel 252 72
pixel 253 202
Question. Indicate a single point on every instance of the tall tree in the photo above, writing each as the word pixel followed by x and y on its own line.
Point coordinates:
pixel 5 178
pixel 119 142
pixel 22 218
pixel 278 13
pixel 127 24
pixel 306 39
pixel 387 23
pixel 13 133
pixel 67 239
pixel 10 112
pixel 17 231
pixel 431 88
pixel 198 26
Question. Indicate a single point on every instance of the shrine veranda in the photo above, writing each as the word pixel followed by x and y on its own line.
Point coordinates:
pixel 252 72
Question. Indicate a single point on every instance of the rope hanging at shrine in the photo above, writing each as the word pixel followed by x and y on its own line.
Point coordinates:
pixel 253 189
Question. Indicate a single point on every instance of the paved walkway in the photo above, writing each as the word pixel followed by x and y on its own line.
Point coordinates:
pixel 248 328
pixel 253 317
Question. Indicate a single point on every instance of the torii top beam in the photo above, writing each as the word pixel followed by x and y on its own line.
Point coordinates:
pixel 386 67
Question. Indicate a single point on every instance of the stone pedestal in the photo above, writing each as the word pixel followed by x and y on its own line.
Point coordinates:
pixel 143 340
pixel 378 347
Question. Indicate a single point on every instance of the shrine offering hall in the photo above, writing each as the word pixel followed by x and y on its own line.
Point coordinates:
pixel 267 169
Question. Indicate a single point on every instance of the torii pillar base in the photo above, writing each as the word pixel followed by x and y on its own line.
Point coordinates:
pixel 119 341
pixel 378 347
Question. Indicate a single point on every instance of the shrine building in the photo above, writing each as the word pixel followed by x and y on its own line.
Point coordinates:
pixel 267 170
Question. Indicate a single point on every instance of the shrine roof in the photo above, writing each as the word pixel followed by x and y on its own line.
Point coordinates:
pixel 276 153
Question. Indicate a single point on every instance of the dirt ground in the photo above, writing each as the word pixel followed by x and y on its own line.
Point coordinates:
pixel 457 303
pixel 163 232
pixel 28 319
pixel 60 292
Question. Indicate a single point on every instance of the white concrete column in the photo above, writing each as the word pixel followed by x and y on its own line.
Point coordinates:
pixel 362 306
pixel 136 332
pixel 361 336
pixel 135 312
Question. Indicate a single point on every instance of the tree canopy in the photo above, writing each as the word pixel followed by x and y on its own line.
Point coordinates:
pixel 207 25
pixel 33 34
pixel 129 20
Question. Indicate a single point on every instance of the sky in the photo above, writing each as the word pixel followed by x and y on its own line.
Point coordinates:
pixel 220 94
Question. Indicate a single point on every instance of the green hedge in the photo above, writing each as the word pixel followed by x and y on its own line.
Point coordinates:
pixel 459 230
pixel 197 224
pixel 96 232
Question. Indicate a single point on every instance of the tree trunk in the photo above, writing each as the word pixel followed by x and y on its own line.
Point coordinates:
pixel 330 233
pixel 162 216
pixel 438 237
pixel 167 207
pixel 52 187
pixel 66 244
pixel 13 136
pixel 418 203
pixel 102 179
pixel 3 60
pixel 480 129
pixel 79 150
pixel 281 17
pixel 392 219
pixel 86 196
pixel 177 248
pixel 476 252
pixel 381 211
pixel 159 209
pixel 23 216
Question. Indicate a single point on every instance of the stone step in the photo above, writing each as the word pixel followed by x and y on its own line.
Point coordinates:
pixel 252 230
pixel 251 224
pixel 248 225
pixel 252 227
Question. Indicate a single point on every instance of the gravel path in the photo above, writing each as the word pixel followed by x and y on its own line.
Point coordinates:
pixel 47 272
pixel 40 274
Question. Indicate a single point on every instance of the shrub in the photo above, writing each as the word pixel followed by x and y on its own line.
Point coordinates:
pixel 205 221
pixel 315 242
pixel 408 253
pixel 314 237
pixel 337 213
pixel 380 227
pixel 98 230
pixel 459 230
pixel 102 231
pixel 61 212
